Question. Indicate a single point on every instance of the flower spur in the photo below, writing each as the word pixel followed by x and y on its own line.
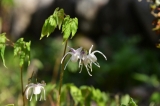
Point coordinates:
pixel 36 89
pixel 89 59
pixel 75 55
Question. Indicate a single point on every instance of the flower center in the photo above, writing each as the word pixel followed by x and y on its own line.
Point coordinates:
pixel 37 90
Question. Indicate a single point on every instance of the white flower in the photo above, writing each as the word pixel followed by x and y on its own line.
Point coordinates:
pixel 84 58
pixel 75 55
pixel 36 89
pixel 89 59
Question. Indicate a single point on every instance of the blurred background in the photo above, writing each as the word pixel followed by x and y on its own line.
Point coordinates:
pixel 121 29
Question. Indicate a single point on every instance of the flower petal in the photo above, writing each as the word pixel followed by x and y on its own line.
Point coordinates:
pixel 92 57
pixel 88 70
pixel 79 49
pixel 90 49
pixel 31 97
pixel 44 93
pixel 81 68
pixel 80 62
pixel 74 57
pixel 27 90
pixel 90 66
pixel 67 63
pixel 42 88
pixel 100 53
pixel 65 56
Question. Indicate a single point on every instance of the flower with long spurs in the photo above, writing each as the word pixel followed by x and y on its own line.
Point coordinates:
pixel 36 89
pixel 89 59
pixel 75 55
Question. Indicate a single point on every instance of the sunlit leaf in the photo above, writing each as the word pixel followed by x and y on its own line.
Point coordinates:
pixel 69 27
pixel 132 103
pixel 74 26
pixel 76 94
pixel 59 17
pixel 22 49
pixel 56 19
pixel 2 46
pixel 65 22
pixel 125 100
pixel 48 27
pixel 99 97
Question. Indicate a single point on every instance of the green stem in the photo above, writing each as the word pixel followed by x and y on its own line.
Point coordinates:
pixel 61 75
pixel 22 86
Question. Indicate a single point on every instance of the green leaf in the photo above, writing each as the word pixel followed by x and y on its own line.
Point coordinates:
pixel 86 93
pixel 76 94
pixel 27 50
pixel 10 105
pixel 123 105
pixel 66 32
pixel 51 22
pixel 22 49
pixel 132 103
pixel 69 27
pixel 2 46
pixel 99 97
pixel 48 27
pixel 65 22
pixel 96 94
pixel 155 97
pixel 74 26
pixel 125 99
pixel 59 17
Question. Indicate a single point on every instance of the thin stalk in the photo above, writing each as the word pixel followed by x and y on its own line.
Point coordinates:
pixel 22 86
pixel 61 75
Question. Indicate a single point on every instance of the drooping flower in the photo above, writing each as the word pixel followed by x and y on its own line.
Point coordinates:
pixel 89 59
pixel 84 58
pixel 75 55
pixel 86 62
pixel 35 89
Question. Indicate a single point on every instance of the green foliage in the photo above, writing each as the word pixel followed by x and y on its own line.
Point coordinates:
pixel 10 105
pixel 58 18
pixel 99 97
pixel 132 103
pixel 124 60
pixel 155 97
pixel 76 95
pixel 87 96
pixel 69 27
pixel 48 27
pixel 127 101
pixel 22 49
pixel 151 80
pixel 7 3
pixel 59 15
pixel 2 46
pixel 52 22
